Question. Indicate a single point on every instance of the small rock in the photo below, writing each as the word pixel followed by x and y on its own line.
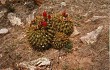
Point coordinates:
pixel 2 12
pixel 95 18
pixel 76 32
pixel 3 31
pixel 31 65
pixel 63 4
pixel 14 19
pixel 91 37
pixel 42 62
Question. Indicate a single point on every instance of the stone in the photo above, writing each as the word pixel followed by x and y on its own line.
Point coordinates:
pixel 76 32
pixel 43 62
pixel 63 4
pixel 14 19
pixel 3 31
pixel 32 65
pixel 91 37
pixel 2 12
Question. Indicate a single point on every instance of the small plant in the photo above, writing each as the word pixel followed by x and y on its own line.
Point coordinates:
pixel 49 30
pixel 68 47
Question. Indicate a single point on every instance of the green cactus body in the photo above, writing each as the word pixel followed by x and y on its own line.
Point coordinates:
pixel 60 40
pixel 65 27
pixel 63 24
pixel 40 33
pixel 40 39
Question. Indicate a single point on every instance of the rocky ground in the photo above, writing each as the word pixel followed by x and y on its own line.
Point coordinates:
pixel 90 51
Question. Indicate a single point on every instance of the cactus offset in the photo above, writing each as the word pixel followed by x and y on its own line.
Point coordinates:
pixel 63 23
pixel 60 40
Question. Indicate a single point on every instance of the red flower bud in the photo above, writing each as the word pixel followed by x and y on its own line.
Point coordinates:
pixel 44 23
pixel 49 17
pixel 44 14
pixel 64 14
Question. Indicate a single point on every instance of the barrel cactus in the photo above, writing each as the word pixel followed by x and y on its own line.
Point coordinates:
pixel 63 23
pixel 39 34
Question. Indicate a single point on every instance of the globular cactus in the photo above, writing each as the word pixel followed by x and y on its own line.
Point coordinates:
pixel 39 34
pixel 63 23
pixel 40 39
pixel 60 40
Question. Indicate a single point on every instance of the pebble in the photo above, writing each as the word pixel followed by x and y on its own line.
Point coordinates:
pixel 3 31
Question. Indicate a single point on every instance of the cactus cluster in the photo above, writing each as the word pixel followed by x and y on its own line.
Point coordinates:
pixel 50 31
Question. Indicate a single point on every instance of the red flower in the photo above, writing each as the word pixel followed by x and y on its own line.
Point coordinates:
pixel 44 14
pixel 64 14
pixel 44 23
pixel 49 17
